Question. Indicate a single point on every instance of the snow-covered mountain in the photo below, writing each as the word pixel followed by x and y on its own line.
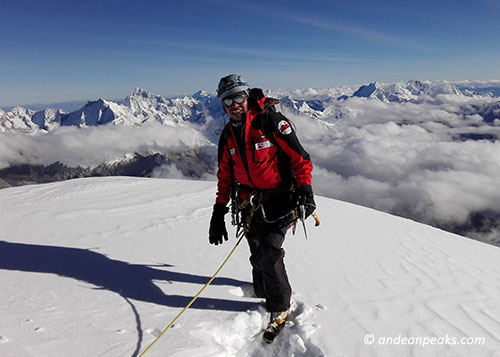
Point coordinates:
pixel 406 92
pixel 95 113
pixel 139 108
pixel 100 266
pixel 146 107
pixel 27 121
pixel 143 108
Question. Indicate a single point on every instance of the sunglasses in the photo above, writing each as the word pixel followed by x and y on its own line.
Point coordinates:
pixel 236 99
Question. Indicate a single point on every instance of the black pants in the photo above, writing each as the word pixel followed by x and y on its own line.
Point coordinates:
pixel 270 279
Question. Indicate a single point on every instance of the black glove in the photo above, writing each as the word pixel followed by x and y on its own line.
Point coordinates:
pixel 217 225
pixel 304 196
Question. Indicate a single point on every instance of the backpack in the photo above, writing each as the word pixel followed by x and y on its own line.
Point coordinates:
pixel 272 106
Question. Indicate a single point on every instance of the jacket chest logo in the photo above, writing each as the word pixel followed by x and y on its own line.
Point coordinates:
pixel 263 145
pixel 232 151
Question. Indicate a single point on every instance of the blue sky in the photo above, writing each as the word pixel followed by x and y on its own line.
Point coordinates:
pixel 53 51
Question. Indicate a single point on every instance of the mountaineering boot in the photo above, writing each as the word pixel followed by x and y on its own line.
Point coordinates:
pixel 276 324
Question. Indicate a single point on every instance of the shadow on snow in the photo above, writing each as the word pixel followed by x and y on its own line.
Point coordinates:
pixel 131 281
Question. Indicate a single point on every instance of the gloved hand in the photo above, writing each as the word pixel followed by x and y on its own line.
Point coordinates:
pixel 304 196
pixel 217 225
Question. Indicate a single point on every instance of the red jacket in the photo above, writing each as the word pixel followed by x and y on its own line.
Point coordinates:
pixel 262 165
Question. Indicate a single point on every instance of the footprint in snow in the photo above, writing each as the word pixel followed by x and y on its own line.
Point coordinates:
pixel 294 339
pixel 240 334
pixel 320 307
pixel 154 331
pixel 245 290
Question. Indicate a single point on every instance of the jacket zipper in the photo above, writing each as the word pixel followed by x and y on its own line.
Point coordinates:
pixel 243 155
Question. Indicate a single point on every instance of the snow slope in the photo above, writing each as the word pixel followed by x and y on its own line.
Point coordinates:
pixel 100 266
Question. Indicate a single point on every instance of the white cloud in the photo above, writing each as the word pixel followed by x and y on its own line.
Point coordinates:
pixel 406 159
pixel 89 147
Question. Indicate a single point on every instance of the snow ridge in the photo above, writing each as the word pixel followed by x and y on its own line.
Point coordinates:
pixel 114 261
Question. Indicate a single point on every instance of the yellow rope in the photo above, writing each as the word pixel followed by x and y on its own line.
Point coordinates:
pixel 240 236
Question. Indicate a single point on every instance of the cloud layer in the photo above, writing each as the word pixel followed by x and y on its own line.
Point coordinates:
pixel 91 146
pixel 413 160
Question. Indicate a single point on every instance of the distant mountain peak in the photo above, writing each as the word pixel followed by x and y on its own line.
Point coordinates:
pixel 201 94
pixel 366 91
pixel 139 92
pixel 99 102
